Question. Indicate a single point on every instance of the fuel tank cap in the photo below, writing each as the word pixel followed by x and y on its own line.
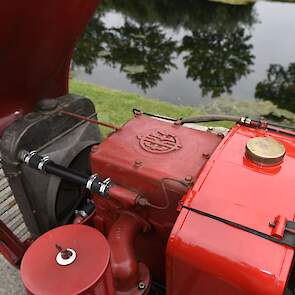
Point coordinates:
pixel 265 151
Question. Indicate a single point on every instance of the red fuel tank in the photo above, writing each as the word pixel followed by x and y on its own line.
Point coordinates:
pixel 208 253
pixel 72 259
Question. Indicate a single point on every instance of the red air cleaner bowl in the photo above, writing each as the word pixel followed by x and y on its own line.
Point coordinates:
pixel 89 273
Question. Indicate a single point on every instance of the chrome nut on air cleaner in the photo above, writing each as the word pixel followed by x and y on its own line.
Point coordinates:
pixel 66 257
pixel 265 151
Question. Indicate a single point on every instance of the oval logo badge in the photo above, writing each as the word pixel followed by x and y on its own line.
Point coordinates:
pixel 159 142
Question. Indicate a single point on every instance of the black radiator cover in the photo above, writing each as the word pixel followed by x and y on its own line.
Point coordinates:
pixel 45 201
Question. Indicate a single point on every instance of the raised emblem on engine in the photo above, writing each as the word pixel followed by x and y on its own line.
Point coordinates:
pixel 159 142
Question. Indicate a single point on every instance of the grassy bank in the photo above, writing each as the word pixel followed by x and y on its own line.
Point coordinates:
pixel 115 106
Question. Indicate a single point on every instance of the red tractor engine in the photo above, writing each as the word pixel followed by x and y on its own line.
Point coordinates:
pixel 158 162
pixel 174 206
pixel 158 207
pixel 149 165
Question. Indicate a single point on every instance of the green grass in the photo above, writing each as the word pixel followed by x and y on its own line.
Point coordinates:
pixel 115 106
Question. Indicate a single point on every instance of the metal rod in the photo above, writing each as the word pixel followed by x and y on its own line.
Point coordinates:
pixel 137 112
pixel 93 121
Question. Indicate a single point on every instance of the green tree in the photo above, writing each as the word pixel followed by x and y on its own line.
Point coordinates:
pixel 279 86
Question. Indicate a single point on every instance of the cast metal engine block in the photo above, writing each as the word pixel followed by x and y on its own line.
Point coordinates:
pixel 159 161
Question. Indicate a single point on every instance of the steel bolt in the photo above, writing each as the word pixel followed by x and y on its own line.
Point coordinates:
pixel 272 223
pixel 94 148
pixel 137 163
pixel 141 286
pixel 188 178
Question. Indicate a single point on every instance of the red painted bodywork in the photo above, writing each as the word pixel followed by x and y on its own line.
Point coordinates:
pixel 10 246
pixel 205 256
pixel 126 270
pixel 130 164
pixel 37 40
pixel 89 274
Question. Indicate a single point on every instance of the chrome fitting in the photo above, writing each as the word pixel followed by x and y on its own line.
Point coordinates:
pixel 28 156
pixel 104 186
pixel 90 181
pixel 82 213
pixel 246 120
pixel 42 162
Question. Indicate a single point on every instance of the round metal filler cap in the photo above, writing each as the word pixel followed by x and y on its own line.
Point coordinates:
pixel 265 150
pixel 70 259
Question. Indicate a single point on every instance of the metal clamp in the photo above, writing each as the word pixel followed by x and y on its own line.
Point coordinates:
pixel 90 181
pixel 104 186
pixel 82 213
pixel 42 162
pixel 28 156
pixel 246 120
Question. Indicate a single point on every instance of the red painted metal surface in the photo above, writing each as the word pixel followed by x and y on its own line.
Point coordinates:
pixel 155 159
pixel 126 270
pixel 205 256
pixel 10 246
pixel 89 274
pixel 37 40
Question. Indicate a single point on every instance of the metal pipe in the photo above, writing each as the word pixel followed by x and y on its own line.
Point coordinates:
pixel 124 196
pixel 93 121
pixel 93 183
pixel 124 264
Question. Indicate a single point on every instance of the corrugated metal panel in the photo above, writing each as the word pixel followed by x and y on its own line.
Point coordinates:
pixel 9 211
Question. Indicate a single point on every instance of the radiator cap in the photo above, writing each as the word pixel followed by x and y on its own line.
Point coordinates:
pixel 265 151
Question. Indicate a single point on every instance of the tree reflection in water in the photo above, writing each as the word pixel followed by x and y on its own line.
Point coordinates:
pixel 143 52
pixel 91 45
pixel 279 86
pixel 217 58
pixel 215 48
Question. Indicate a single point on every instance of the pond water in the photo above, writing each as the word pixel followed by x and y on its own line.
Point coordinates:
pixel 189 52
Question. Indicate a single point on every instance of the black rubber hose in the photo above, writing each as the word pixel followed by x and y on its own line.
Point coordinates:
pixel 42 163
pixel 282 126
pixel 65 173
pixel 210 118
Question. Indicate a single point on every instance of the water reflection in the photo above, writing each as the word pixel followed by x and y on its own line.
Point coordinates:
pixel 279 86
pixel 91 44
pixel 215 47
pixel 217 58
pixel 143 52
pixel 187 14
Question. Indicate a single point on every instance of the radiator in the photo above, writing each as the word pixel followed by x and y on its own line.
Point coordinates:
pixel 9 210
